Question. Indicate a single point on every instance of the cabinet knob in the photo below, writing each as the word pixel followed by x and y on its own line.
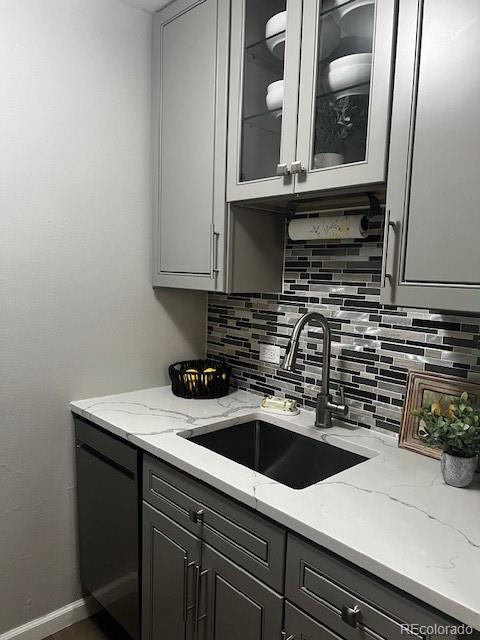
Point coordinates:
pixel 282 169
pixel 297 167
pixel 351 615
pixel 196 516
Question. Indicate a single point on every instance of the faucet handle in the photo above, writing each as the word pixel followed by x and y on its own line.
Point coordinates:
pixel 341 407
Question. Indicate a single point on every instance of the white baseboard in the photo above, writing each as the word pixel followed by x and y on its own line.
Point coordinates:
pixel 55 621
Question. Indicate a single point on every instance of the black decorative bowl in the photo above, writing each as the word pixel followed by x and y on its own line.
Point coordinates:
pixel 200 379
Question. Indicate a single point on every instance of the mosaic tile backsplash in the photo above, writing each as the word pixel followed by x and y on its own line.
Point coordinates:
pixel 374 346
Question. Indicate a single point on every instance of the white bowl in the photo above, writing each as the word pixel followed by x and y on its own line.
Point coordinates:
pixel 351 59
pixel 329 36
pixel 275 34
pixel 275 86
pixel 274 98
pixel 358 18
pixel 347 71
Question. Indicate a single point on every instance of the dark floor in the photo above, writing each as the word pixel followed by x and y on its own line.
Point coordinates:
pixel 99 627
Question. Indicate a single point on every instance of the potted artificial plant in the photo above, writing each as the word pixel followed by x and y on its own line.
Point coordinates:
pixel 454 427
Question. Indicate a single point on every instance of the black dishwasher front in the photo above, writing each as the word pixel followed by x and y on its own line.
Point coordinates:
pixel 108 522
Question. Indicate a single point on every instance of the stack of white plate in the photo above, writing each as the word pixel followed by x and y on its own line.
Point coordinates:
pixel 348 76
pixel 274 98
pixel 275 34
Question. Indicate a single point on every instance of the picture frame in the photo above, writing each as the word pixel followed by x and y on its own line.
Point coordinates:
pixel 424 389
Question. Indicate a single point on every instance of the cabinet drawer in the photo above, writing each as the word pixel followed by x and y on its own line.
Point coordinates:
pixel 324 587
pixel 251 541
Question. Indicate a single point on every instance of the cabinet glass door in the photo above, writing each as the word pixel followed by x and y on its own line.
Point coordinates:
pixel 344 92
pixel 264 90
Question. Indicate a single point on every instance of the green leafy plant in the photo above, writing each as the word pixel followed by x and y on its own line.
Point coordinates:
pixel 451 425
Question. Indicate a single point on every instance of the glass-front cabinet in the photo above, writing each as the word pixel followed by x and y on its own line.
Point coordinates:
pixel 309 95
pixel 265 45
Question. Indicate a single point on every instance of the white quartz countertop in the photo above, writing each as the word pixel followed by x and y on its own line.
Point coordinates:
pixel 392 515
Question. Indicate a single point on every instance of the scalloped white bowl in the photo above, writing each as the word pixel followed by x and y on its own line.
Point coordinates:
pixel 275 30
pixel 348 71
pixel 274 97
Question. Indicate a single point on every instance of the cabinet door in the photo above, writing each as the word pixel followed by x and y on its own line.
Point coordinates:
pixel 237 606
pixel 265 52
pixel 344 104
pixel 171 558
pixel 189 125
pixel 433 192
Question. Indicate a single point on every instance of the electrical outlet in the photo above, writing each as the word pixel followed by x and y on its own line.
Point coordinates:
pixel 270 353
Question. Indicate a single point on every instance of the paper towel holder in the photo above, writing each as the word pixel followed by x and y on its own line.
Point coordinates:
pixel 375 209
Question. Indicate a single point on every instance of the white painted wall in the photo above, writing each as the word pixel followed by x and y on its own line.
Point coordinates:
pixel 77 314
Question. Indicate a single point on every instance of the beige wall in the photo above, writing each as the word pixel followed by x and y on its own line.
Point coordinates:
pixel 77 314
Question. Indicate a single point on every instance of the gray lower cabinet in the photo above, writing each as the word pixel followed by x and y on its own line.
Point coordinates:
pixel 239 607
pixel 214 570
pixel 350 602
pixel 191 591
pixel 198 241
pixel 250 541
pixel 171 560
pixel 431 243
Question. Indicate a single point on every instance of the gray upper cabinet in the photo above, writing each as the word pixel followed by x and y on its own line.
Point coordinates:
pixel 310 95
pixel 199 241
pixel 189 123
pixel 431 246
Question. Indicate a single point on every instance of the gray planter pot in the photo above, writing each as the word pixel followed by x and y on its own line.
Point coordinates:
pixel 458 472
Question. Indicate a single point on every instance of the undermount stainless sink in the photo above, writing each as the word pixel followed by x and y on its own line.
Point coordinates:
pixel 285 456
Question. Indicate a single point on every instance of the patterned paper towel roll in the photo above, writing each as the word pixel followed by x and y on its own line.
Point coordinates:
pixel 329 228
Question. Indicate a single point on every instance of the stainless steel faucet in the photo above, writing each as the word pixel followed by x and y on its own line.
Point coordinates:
pixel 325 405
